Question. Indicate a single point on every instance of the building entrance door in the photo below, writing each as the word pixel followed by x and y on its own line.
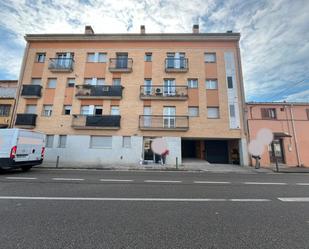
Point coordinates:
pixel 276 151
pixel 148 153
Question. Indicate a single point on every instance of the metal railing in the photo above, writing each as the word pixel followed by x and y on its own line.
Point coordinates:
pixel 163 122
pixel 120 64
pixel 88 91
pixel 25 119
pixel 61 64
pixel 31 91
pixel 176 64
pixel 96 121
pixel 161 91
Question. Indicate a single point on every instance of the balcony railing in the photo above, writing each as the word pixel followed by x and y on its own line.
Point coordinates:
pixel 31 91
pixel 174 65
pixel 107 122
pixel 98 92
pixel 25 120
pixel 164 92
pixel 61 64
pixel 123 65
pixel 163 122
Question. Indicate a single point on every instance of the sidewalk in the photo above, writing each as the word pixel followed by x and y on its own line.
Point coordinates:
pixel 293 170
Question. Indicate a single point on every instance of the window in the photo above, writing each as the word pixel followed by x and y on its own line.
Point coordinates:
pixel 116 82
pixel 229 82
pixel 100 81
pixel 147 87
pixel 30 109
pixel 84 110
pixel 88 81
pixel 94 81
pixel 213 112
pixel 211 84
pixel 102 57
pixel 40 57
pixel 126 142
pixel 148 57
pixel 193 111
pixel 67 109
pixel 115 110
pixel 192 83
pixel 100 142
pixel 51 83
pixel 70 82
pixel 5 110
pixel 62 141
pixel 49 141
pixel 232 111
pixel 210 57
pixel 98 110
pixel 96 57
pixel 268 113
pixel 36 81
pixel 47 110
pixel 90 57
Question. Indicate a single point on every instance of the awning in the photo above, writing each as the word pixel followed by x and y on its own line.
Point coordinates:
pixel 281 134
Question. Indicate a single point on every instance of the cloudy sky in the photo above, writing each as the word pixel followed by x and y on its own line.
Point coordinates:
pixel 274 42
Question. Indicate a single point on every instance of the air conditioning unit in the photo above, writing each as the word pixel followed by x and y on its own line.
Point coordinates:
pixel 158 90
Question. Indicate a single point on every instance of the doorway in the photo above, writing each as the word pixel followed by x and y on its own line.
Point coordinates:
pixel 276 151
pixel 217 151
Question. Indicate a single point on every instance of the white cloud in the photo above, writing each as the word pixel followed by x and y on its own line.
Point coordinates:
pixel 298 97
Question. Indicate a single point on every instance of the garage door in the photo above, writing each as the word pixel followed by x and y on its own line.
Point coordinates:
pixel 216 151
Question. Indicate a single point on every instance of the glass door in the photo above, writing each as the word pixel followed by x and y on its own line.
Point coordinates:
pixel 169 87
pixel 147 118
pixel 169 119
pixel 122 61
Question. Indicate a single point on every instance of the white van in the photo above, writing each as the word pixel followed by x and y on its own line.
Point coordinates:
pixel 21 148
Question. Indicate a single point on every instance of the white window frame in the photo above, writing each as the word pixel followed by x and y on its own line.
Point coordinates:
pixel 47 110
pixel 71 81
pixel 67 107
pixel 211 111
pixel 210 57
pixel 147 56
pixel 40 57
pixel 115 110
pixel 52 83
pixel 192 83
pixel 83 109
pixel 108 141
pixel 193 111
pixel 62 141
pixel 211 84
pixel 36 81
pixel 126 142
pixel 49 141
pixel 28 109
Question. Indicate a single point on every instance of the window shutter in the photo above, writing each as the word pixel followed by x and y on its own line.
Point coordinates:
pixel 264 113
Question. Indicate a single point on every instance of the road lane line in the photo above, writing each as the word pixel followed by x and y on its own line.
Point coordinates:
pixel 302 184
pixel 208 182
pixel 161 181
pixel 115 180
pixel 68 179
pixel 129 199
pixel 294 199
pixel 265 183
pixel 21 178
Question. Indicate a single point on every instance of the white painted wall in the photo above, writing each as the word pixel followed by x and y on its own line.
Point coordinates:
pixel 243 152
pixel 174 146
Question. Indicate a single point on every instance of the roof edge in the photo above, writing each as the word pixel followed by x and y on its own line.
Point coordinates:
pixel 277 103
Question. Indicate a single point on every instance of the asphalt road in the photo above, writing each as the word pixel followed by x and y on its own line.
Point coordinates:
pixel 122 209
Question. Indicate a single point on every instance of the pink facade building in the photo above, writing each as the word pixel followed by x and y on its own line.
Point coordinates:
pixel 289 123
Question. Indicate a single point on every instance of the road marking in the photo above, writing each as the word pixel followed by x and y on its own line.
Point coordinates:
pixel 115 180
pixel 294 199
pixel 68 179
pixel 265 183
pixel 207 182
pixel 21 178
pixel 162 181
pixel 302 184
pixel 127 199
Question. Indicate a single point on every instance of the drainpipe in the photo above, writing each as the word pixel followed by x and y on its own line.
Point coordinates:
pixel 295 136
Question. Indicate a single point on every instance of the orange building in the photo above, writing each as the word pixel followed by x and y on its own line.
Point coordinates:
pixel 7 102
pixel 289 123
pixel 102 98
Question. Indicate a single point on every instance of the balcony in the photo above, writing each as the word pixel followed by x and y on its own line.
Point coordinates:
pixel 176 65
pixel 120 65
pixel 25 120
pixel 160 92
pixel 94 122
pixel 98 92
pixel 163 123
pixel 61 65
pixel 31 91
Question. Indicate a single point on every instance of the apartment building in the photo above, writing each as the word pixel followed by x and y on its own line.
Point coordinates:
pixel 289 123
pixel 7 102
pixel 102 98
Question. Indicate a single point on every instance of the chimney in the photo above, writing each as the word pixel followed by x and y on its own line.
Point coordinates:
pixel 143 30
pixel 195 29
pixel 89 30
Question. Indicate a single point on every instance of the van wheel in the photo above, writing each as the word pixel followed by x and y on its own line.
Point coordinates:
pixel 26 168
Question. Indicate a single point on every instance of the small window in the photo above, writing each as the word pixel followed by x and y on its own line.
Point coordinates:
pixel 91 57
pixel 70 82
pixel 229 82
pixel 268 113
pixel 100 81
pixel 62 141
pixel 40 57
pixel 192 83
pixel 67 109
pixel 148 57
pixel 102 57
pixel 36 81
pixel 126 142
pixel 84 110
pixel 98 110
pixel 51 83
pixel 30 109
pixel 115 110
pixel 47 110
pixel 210 57
pixel 211 84
pixel 49 141
pixel 5 110
pixel 232 111
pixel 193 111
pixel 213 112
pixel 100 142
pixel 116 82
pixel 88 81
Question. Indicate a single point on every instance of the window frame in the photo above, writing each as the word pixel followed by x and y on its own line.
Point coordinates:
pixel 47 142
pixel 192 86
pixel 230 83
pixel 266 113
pixel 48 81
pixel 213 107
pixel 146 59
pixel 64 106
pixel 59 145
pixel 27 106
pixel 6 110
pixel 68 83
pixel 129 145
pixel 210 53
pixel 209 80
pixel 37 56
pixel 197 113
pixel 50 112
pixel 100 147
